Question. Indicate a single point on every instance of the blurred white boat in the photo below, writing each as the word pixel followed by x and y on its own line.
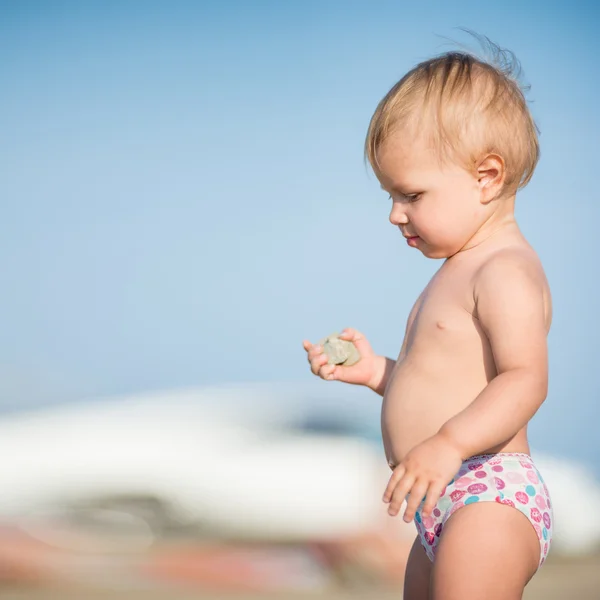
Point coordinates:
pixel 259 461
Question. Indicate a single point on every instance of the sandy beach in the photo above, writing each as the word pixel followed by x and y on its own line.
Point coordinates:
pixel 559 579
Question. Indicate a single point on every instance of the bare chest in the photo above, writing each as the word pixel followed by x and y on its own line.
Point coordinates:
pixel 442 316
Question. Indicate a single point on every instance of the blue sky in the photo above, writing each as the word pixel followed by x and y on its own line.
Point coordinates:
pixel 184 197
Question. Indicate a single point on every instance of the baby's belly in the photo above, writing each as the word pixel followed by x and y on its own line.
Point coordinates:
pixel 419 399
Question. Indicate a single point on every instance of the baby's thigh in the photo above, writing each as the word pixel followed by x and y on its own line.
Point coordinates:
pixel 418 573
pixel 487 550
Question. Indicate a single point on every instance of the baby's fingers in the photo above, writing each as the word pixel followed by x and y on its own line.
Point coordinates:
pixel 327 371
pixel 433 495
pixel 315 352
pixel 318 363
pixel 394 479
pixel 317 358
pixel 417 493
pixel 399 495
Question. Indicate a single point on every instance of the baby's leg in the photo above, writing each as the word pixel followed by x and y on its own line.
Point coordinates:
pixel 487 550
pixel 418 573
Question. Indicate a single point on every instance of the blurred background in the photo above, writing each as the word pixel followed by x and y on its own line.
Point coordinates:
pixel 184 200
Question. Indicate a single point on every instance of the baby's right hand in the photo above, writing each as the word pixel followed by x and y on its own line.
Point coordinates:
pixel 367 371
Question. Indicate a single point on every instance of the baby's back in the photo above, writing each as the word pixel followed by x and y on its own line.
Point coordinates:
pixel 446 359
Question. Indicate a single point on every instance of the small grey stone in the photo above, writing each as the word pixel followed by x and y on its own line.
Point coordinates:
pixel 339 352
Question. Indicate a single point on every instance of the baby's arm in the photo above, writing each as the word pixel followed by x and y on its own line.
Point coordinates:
pixel 381 366
pixel 509 297
pixel 385 368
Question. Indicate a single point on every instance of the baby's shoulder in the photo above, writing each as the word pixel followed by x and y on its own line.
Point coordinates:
pixel 513 275
pixel 508 264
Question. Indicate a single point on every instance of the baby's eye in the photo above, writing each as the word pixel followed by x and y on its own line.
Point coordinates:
pixel 407 197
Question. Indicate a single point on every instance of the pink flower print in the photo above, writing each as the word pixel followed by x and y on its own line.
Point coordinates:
pixel 456 495
pixel 436 512
pixel 525 464
pixel 498 468
pixel 546 549
pixel 522 497
pixel 546 491
pixel 494 461
pixel 507 502
pixel 475 466
pixel 536 515
pixel 541 503
pixel 480 474
pixel 500 485
pixel 532 477
pixel 514 477
pixel 429 537
pixel 463 482
pixel 438 529
pixel 477 488
pixel 443 491
pixel 538 530
pixel 547 520
pixel 428 522
pixel 549 505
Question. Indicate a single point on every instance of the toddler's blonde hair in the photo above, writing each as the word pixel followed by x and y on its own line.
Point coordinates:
pixel 466 108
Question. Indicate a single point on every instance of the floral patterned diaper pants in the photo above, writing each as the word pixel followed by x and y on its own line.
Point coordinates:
pixel 507 478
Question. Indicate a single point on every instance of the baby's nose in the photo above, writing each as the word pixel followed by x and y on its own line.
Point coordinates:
pixel 398 215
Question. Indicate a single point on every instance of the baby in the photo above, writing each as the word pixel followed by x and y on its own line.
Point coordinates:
pixel 451 143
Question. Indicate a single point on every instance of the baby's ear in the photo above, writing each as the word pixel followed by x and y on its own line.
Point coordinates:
pixel 491 173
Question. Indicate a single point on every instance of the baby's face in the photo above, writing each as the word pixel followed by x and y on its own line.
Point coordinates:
pixel 437 206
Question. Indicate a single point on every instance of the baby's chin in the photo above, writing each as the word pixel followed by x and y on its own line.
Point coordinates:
pixel 439 251
pixel 434 252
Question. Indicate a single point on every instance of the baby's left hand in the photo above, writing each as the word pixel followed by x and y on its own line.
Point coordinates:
pixel 425 471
